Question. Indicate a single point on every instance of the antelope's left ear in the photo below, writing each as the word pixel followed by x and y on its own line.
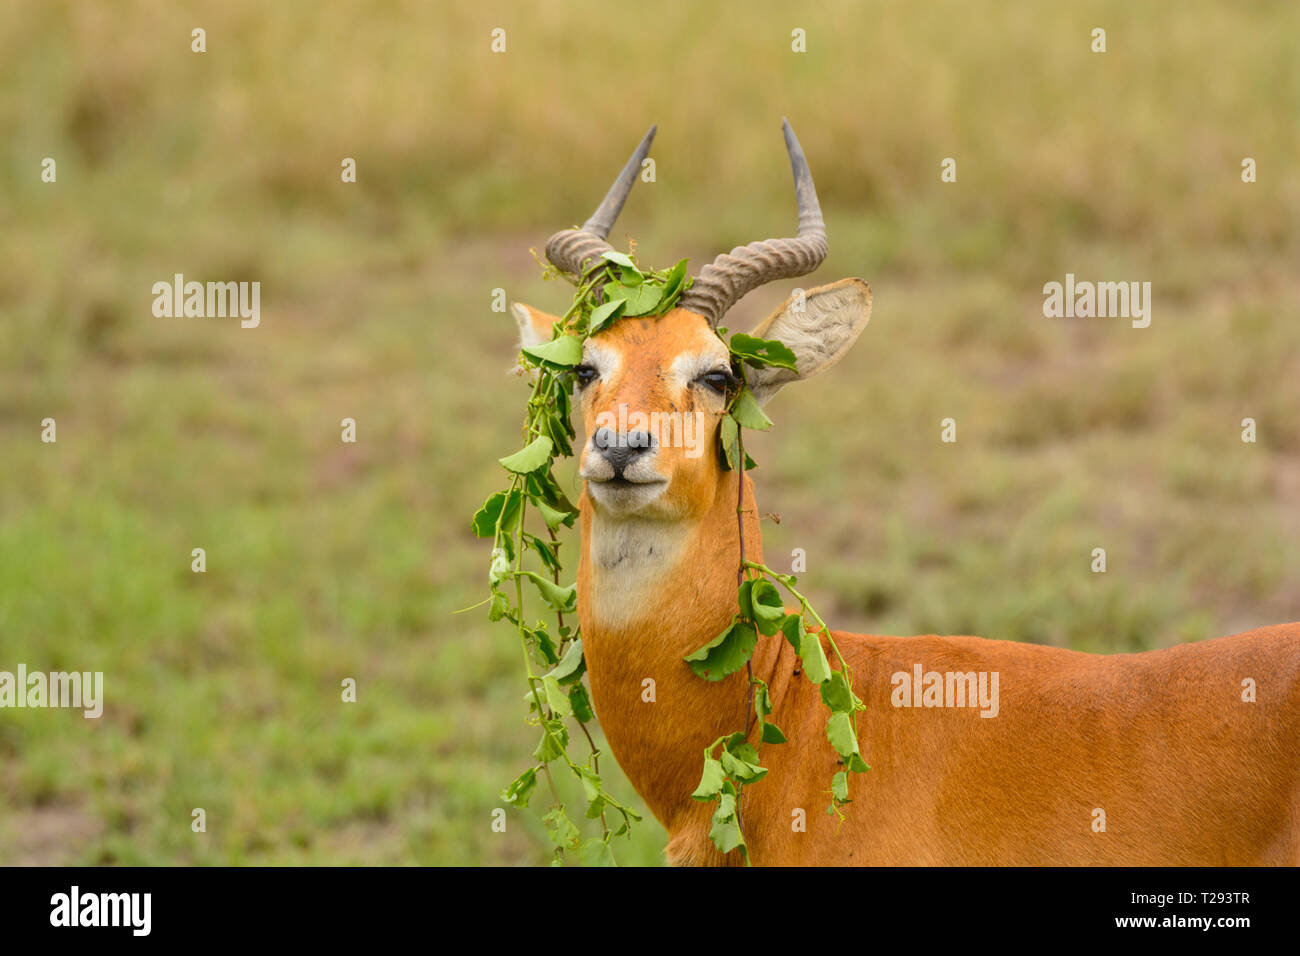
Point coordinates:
pixel 818 327
pixel 534 326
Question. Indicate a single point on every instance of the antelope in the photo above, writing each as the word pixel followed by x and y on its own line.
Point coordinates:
pixel 1183 756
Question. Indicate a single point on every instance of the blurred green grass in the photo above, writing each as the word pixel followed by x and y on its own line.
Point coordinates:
pixel 328 560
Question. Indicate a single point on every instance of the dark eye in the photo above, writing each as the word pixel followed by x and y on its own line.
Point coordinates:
pixel 585 375
pixel 719 380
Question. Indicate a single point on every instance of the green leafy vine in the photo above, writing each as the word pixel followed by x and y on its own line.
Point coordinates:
pixel 761 610
pixel 613 287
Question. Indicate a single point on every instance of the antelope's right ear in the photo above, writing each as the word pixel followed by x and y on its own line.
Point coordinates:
pixel 534 326
pixel 818 327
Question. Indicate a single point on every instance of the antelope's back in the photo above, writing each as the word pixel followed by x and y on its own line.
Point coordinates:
pixel 1184 756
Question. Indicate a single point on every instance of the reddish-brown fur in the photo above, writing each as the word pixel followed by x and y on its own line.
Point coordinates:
pixel 1185 770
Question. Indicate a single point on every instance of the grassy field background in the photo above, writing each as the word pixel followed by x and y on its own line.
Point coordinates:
pixel 328 560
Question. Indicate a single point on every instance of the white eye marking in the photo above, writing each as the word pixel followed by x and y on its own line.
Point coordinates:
pixel 604 360
pixel 689 366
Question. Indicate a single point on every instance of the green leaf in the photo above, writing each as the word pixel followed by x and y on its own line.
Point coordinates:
pixel 792 628
pixel 725 833
pixel 857 764
pixel 739 746
pixel 674 285
pixel 762 352
pixel 743 601
pixel 581 703
pixel 836 693
pixel 726 653
pixel 560 395
pixel 531 457
pixel 729 435
pixel 839 730
pixel 545 646
pixel 762 700
pixel 555 518
pixel 596 807
pixel 736 743
pixel 557 431
pixel 603 315
pixel 768 609
pixel 710 781
pixel 547 551
pixel 554 739
pixel 485 519
pixel 560 828
pixel 557 698
pixel 740 768
pixel 572 665
pixel 641 299
pixel 565 352
pixel 619 259
pixel 748 413
pixel 596 852
pixel 726 836
pixel 814 660
pixel 840 787
pixel 590 783
pixel 500 606
pixel 772 734
pixel 564 600
pixel 540 485
pixel 518 793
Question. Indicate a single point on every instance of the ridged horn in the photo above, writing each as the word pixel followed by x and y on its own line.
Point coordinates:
pixel 721 284
pixel 571 249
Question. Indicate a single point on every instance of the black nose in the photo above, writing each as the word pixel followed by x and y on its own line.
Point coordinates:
pixel 621 453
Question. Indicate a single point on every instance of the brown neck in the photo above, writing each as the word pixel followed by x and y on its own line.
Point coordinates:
pixel 649 593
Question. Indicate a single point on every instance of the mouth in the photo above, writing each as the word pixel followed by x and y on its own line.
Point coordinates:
pixel 625 485
pixel 622 483
pixel 621 494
